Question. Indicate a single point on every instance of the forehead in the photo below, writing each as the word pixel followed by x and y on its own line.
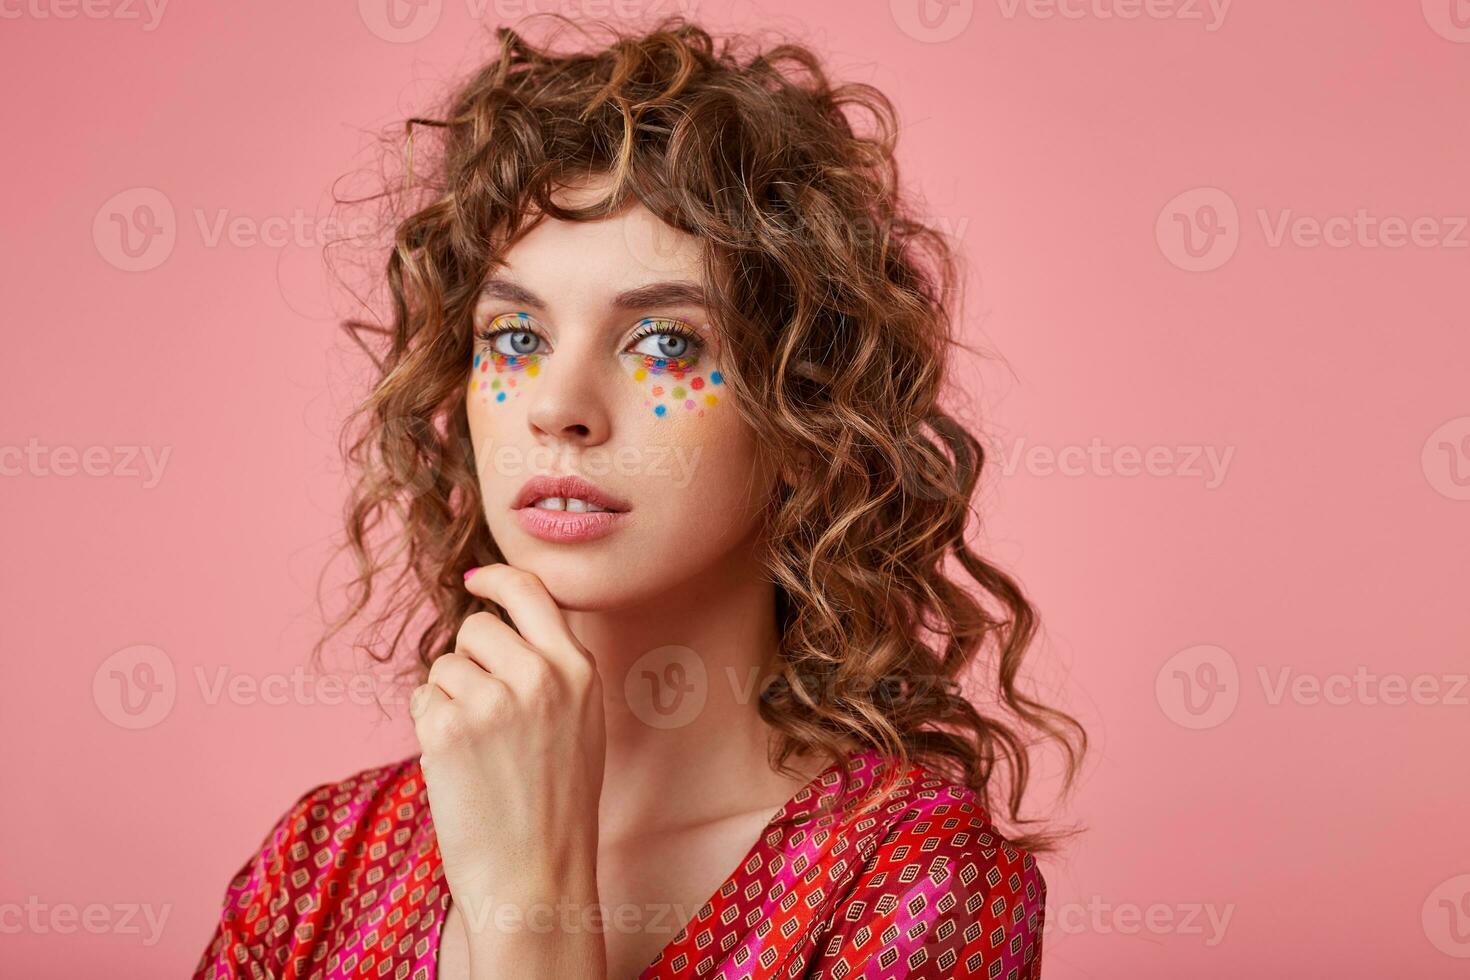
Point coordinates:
pixel 627 249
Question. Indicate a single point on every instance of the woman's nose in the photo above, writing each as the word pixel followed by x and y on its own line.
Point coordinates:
pixel 569 398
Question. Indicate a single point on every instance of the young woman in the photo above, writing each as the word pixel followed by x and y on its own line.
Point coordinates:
pixel 657 432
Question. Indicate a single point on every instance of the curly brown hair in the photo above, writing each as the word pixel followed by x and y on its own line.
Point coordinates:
pixel 834 303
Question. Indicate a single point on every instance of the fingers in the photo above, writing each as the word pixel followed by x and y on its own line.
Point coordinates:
pixel 462 679
pixel 495 647
pixel 535 613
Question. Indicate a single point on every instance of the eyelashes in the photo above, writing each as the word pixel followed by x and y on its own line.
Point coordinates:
pixel 667 370
pixel 515 331
pixel 516 327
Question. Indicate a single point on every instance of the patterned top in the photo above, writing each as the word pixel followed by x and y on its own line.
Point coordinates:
pixel 904 876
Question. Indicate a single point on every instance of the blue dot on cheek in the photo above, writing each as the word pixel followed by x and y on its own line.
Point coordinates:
pixel 716 378
pixel 659 410
pixel 500 396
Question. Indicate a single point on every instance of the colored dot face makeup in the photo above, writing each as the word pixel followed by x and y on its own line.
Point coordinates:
pixel 499 370
pixel 667 359
pixel 674 381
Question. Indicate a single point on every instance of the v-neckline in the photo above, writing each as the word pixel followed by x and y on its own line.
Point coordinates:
pixel 799 806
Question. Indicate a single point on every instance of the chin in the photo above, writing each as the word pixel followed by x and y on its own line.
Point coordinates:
pixel 587 578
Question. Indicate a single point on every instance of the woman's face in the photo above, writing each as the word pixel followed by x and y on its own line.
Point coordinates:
pixel 594 358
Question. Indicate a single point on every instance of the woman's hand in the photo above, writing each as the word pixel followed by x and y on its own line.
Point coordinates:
pixel 510 727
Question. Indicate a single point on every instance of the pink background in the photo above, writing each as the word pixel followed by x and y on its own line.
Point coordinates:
pixel 1333 381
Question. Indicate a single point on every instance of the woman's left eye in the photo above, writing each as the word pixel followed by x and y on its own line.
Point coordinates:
pixel 666 340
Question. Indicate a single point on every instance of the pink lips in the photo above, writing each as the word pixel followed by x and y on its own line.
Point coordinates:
pixel 562 525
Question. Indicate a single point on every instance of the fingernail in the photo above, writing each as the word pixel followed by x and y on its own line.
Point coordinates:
pixel 471 572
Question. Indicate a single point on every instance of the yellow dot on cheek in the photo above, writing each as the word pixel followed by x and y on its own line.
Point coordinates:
pixel 640 374
pixel 532 370
pixel 710 399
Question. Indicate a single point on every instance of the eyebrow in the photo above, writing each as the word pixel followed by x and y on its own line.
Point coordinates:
pixel 673 292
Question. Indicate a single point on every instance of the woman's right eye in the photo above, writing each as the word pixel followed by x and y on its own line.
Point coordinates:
pixel 508 338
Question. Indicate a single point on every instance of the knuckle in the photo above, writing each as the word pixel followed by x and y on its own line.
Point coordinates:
pixel 443 729
pixel 472 624
pixel 440 665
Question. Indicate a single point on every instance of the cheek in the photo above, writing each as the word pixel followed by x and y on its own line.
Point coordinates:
pixel 497 378
pixel 669 390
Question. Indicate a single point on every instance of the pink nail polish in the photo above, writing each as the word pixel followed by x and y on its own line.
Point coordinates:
pixel 471 572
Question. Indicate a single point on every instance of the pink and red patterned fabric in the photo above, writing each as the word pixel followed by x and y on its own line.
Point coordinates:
pixel 916 883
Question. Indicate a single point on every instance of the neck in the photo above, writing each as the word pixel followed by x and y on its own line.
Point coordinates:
pixel 681 677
